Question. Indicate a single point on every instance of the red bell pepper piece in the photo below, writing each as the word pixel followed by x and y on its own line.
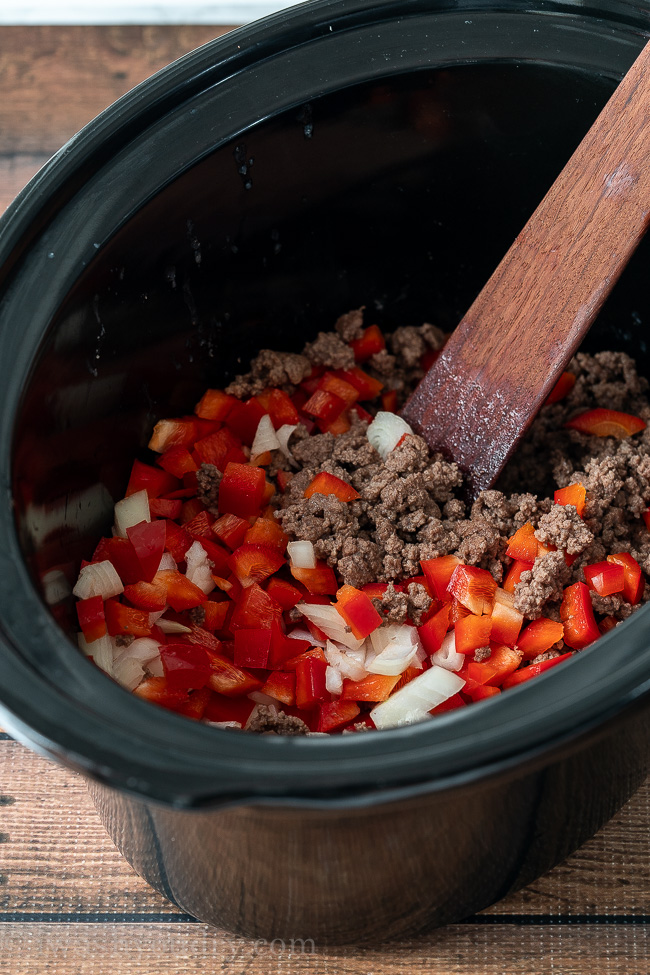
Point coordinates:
pixel 165 507
pixel 200 525
pixel 576 612
pixel 438 574
pixel 523 546
pixel 449 705
pixel 607 423
pixel 605 578
pixel 254 608
pixel 216 613
pixel 119 552
pixel 146 595
pixel 634 584
pixel 252 647
pixel 334 714
pixel 91 617
pixel 389 401
pixel 506 620
pixel 242 489
pixel 562 388
pixel 178 461
pixel 215 405
pixel 177 540
pixel 279 406
pixel 222 708
pixel 607 623
pixel 474 588
pixel 267 532
pixel 472 632
pixel 122 619
pixel 281 685
pixel 502 661
pixel 513 575
pixel 324 406
pixel 331 383
pixel 189 510
pixel 433 632
pixel 283 647
pixel 357 610
pixel 157 691
pixel 533 670
pixel 216 554
pixel 173 433
pixel 340 424
pixel 155 482
pixel 244 419
pixel 327 484
pixel 284 593
pixel 148 540
pixel 374 687
pixel 320 581
pixel 575 494
pixel 540 635
pixel 185 665
pixel 367 387
pixel 368 344
pixel 254 563
pixel 310 682
pixel 219 449
pixel 228 679
pixel 181 593
pixel 483 691
pixel 231 530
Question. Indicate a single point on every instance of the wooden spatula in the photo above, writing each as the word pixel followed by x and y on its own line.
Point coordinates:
pixel 502 361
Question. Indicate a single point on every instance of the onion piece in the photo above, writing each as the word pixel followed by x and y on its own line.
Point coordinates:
pixel 333 680
pixel 386 431
pixel 265 437
pixel 283 436
pixel 129 664
pixel 447 656
pixel 131 511
pixel 329 620
pixel 98 579
pixel 223 724
pixel 167 562
pixel 261 698
pixel 198 568
pixel 302 555
pixel 350 663
pixel 396 649
pixel 413 702
pixel 301 633
pixel 101 651
pixel 172 626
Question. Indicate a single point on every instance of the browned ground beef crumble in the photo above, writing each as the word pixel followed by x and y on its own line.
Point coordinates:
pixel 409 507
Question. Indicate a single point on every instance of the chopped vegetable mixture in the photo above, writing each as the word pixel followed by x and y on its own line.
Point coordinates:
pixel 293 560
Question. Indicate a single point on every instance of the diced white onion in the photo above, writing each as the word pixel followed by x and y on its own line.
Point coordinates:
pixel 328 619
pixel 131 511
pixel 172 626
pixel 129 664
pixel 98 579
pixel 260 698
pixel 155 667
pixel 333 680
pixel 413 702
pixel 447 656
pixel 283 436
pixel 155 616
pixel 350 662
pixel 198 568
pixel 386 431
pixel 55 586
pixel 301 633
pixel 302 555
pixel 397 649
pixel 167 562
pixel 223 724
pixel 265 437
pixel 101 651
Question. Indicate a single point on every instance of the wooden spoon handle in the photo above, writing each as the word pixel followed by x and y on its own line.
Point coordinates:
pixel 504 358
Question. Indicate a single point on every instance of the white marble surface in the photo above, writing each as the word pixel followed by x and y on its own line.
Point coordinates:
pixel 137 11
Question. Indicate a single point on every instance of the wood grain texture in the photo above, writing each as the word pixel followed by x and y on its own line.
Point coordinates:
pixel 506 355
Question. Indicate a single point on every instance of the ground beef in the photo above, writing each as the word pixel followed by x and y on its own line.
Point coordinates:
pixel 350 326
pixel 267 720
pixel 208 478
pixel 483 653
pixel 547 655
pixel 563 527
pixel 542 584
pixel 124 639
pixel 196 615
pixel 269 368
pixel 331 351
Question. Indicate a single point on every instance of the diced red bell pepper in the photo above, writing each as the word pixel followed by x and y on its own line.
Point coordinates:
pixel 367 387
pixel 148 540
pixel 91 616
pixel 254 563
pixel 216 613
pixel 327 484
pixel 177 540
pixel 523 546
pixel 450 704
pixel 562 388
pixel 181 593
pixel 155 482
pixel 215 405
pixel 483 691
pixel 324 406
pixel 368 344
pixel 472 632
pixel 178 461
pixel 357 610
pixel 254 608
pixel 320 581
pixel 575 494
pixel 284 593
pixel 219 449
pixel 533 670
pixel 340 424
pixel 244 419
pixel 438 573
pixel 231 530
pixel 377 590
pixel 433 632
pixel 513 575
pixel 315 653
pixel 146 595
pixel 252 647
pixel 173 433
pixel 310 682
pixel 607 623
pixel 217 554
pixel 186 666
pixel 280 408
pixel 506 620
pixel 374 687
pixel 540 635
pixel 242 489
pixel 410 674
pixel 474 588
pixel 157 691
pixel 267 532
pixel 122 619
pixel 605 578
pixel 607 423
pixel 283 647
pixel 457 611
pixel 121 554
pixel 165 507
pixel 502 661
pixel 634 585
pixel 334 714
pixel 200 526
pixel 283 478
pixel 331 383
pixel 189 510
pixel 281 685
pixel 228 679
pixel 389 401
pixel 222 708
pixel 576 612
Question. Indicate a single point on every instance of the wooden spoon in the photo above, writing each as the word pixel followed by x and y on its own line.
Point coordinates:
pixel 503 359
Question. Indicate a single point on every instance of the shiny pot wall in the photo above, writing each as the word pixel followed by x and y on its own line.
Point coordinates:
pixel 338 154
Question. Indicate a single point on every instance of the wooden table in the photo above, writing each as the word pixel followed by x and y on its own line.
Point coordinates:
pixel 69 904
